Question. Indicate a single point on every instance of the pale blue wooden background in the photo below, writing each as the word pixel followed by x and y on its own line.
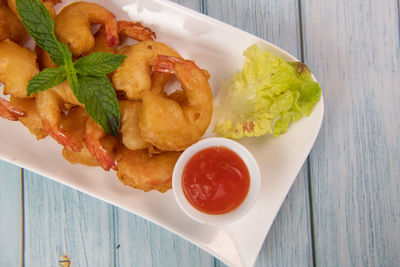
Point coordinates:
pixel 344 208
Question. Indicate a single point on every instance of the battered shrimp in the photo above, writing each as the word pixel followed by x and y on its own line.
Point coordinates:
pixel 17 67
pixel 31 120
pixel 72 26
pixel 138 170
pixel 93 132
pixel 168 125
pixel 74 123
pixel 130 132
pixel 9 111
pixel 49 4
pixel 159 80
pixel 50 104
pixel 92 136
pixel 134 30
pixel 10 26
pixel 43 59
pixel 134 75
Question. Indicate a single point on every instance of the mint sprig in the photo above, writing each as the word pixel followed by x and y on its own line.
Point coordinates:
pixel 86 76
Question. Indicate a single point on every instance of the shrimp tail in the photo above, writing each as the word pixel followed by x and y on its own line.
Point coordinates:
pixel 53 2
pixel 112 38
pixel 62 137
pixel 135 30
pixel 100 154
pixel 92 136
pixel 9 111
pixel 167 64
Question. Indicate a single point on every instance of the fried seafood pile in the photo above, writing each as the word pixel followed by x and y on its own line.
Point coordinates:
pixel 154 127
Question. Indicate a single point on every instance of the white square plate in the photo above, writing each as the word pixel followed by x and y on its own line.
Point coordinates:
pixel 218 48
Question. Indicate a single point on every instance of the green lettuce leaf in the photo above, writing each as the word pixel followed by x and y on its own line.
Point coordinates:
pixel 265 97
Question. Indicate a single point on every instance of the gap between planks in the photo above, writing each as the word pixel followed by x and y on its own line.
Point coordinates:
pixel 22 218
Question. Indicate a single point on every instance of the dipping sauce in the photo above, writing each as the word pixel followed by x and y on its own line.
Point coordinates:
pixel 215 180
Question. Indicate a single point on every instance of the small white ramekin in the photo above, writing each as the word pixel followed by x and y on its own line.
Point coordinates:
pixel 219 219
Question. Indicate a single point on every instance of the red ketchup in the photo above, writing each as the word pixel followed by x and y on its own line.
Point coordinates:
pixel 215 180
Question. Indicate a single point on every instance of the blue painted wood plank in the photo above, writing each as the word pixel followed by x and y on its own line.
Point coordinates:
pixel 142 243
pixel 61 221
pixel 353 48
pixel 289 241
pixel 11 245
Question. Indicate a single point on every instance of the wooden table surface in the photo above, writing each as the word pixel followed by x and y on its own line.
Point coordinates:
pixel 344 208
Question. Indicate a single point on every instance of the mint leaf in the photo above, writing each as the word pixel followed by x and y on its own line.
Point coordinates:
pixel 46 79
pixel 98 64
pixel 100 102
pixel 40 26
pixel 91 87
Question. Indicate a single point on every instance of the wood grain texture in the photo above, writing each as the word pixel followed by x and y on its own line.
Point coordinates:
pixel 62 221
pixel 353 49
pixel 11 215
pixel 289 240
pixel 142 243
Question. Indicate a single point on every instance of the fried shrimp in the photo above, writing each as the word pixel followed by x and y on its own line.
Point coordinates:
pixel 138 170
pixel 72 26
pixel 17 67
pixel 92 137
pixel 130 132
pixel 134 75
pixel 43 59
pixel 50 104
pixel 168 125
pixel 133 30
pixel 74 123
pixel 49 4
pixel 31 120
pixel 10 26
